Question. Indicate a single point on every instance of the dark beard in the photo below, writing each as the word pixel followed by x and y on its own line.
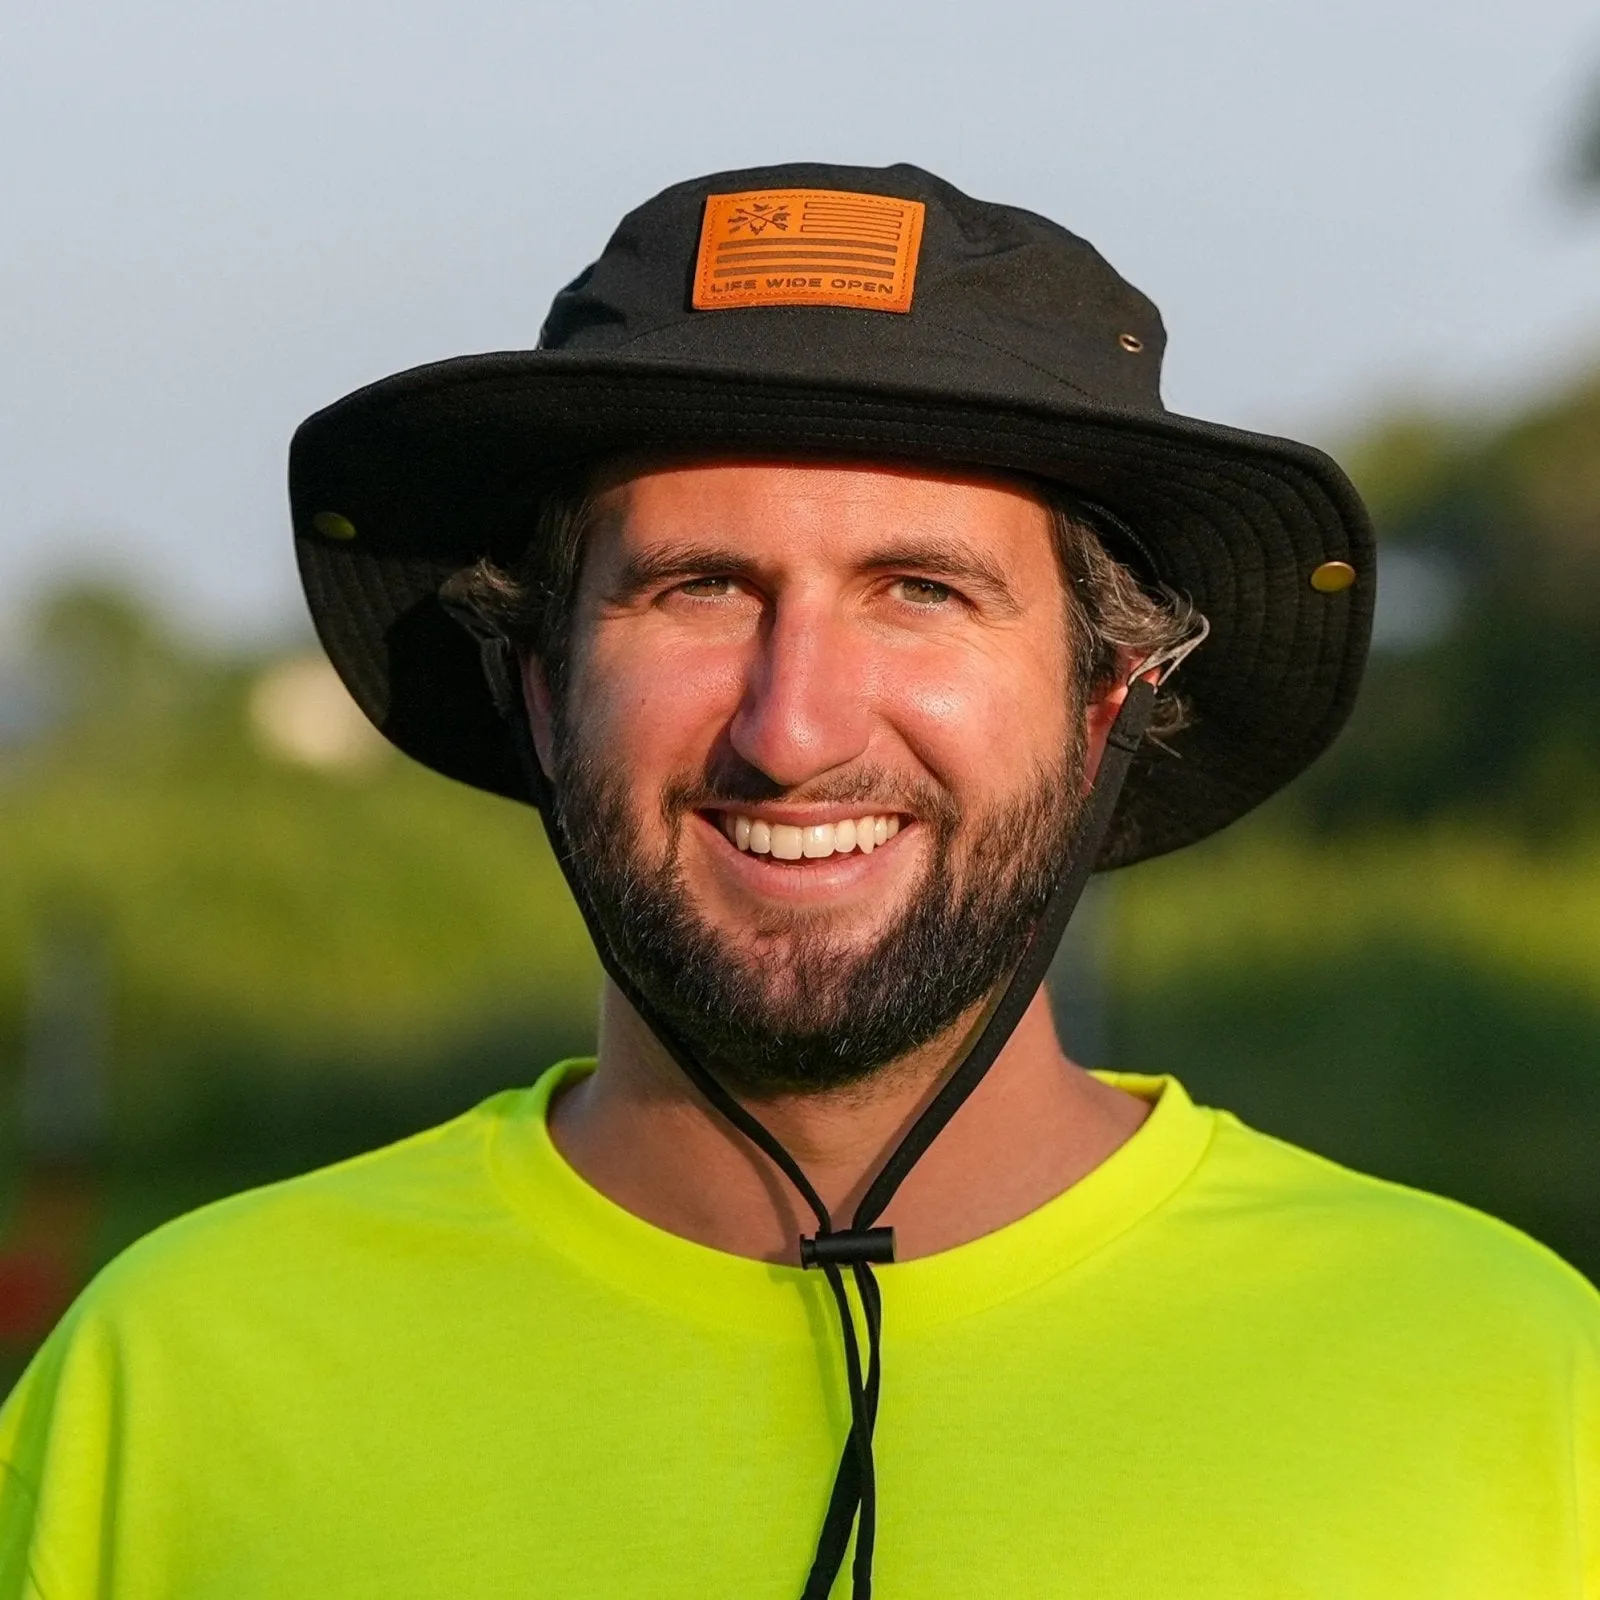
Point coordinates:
pixel 831 1015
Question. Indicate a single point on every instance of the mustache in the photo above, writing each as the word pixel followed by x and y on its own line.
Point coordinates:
pixel 728 780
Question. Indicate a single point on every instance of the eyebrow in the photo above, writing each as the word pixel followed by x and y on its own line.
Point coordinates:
pixel 938 558
pixel 666 563
pixel 935 558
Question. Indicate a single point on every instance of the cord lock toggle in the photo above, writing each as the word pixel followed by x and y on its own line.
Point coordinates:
pixel 847 1246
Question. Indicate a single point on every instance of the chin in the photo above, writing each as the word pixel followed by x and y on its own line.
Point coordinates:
pixel 794 937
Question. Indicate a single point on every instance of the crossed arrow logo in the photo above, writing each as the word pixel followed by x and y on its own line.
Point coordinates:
pixel 758 217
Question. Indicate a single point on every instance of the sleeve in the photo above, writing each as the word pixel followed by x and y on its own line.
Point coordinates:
pixel 55 1432
pixel 23 1426
pixel 20 1557
pixel 1586 1463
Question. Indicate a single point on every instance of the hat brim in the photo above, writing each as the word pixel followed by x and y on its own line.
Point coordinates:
pixel 419 466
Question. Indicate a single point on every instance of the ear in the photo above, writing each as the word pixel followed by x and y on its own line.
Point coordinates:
pixel 541 709
pixel 1101 712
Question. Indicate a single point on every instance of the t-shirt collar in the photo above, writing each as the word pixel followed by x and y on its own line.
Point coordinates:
pixel 567 1215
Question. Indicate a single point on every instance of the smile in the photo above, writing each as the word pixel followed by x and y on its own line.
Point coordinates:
pixel 815 842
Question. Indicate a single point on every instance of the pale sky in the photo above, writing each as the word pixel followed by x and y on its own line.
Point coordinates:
pixel 218 218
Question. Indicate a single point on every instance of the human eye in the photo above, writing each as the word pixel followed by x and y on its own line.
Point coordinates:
pixel 923 592
pixel 712 586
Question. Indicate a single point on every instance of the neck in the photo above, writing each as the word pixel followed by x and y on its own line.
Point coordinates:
pixel 640 1133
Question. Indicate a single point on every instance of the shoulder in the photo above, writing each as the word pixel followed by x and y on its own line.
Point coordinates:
pixel 253 1303
pixel 1369 1240
pixel 311 1230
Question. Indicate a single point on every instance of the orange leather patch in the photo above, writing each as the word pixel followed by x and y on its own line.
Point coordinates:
pixel 808 247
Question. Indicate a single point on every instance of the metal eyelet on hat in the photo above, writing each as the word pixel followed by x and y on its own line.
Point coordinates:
pixel 1333 577
pixel 332 526
pixel 1131 342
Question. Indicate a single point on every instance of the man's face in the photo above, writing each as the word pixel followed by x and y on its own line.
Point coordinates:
pixel 816 755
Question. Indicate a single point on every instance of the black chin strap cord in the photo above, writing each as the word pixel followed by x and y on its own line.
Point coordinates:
pixel 863 1243
pixel 853 1501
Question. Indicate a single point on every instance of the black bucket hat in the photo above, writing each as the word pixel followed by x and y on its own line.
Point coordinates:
pixel 847 311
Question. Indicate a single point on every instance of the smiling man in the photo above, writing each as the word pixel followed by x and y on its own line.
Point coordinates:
pixel 834 582
pixel 858 705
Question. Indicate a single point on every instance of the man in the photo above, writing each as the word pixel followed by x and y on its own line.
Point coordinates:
pixel 818 577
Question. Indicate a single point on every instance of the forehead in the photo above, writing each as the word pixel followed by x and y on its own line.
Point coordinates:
pixel 825 508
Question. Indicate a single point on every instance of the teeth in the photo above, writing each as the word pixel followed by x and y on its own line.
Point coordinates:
pixel 814 843
pixel 817 841
pixel 785 842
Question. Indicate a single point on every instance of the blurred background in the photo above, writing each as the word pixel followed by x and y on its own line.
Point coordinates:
pixel 239 937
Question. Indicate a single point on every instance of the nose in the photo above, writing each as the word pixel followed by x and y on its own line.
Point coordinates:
pixel 803 711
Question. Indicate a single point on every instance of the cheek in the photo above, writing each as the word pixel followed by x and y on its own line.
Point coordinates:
pixel 658 709
pixel 982 714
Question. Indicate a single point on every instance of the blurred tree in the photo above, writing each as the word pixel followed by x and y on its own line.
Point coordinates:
pixel 122 685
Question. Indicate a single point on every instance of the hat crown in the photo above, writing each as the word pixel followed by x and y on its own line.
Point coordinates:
pixel 1002 297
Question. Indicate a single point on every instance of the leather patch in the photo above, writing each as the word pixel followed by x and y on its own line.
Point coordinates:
pixel 808 247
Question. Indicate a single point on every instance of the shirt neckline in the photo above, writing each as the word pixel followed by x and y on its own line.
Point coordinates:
pixel 606 1241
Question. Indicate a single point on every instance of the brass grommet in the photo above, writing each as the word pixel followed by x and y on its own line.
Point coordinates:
pixel 1131 342
pixel 332 526
pixel 1333 577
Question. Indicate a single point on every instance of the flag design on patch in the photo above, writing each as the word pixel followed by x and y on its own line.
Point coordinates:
pixel 808 247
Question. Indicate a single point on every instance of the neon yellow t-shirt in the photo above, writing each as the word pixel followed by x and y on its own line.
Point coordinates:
pixel 1215 1367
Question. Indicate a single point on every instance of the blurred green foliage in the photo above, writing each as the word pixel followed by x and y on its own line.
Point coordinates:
pixel 1397 962
pixel 277 930
pixel 1494 720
